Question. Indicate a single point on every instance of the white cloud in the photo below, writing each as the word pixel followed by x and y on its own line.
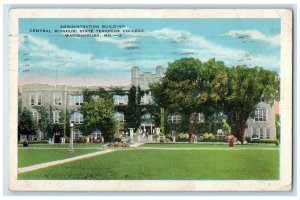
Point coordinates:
pixel 194 45
pixel 37 47
pixel 254 35
pixel 122 43
pixel 202 48
pixel 47 57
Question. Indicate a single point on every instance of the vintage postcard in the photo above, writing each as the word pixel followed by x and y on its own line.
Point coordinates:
pixel 150 100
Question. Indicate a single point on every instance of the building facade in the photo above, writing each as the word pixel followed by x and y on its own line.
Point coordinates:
pixel 143 80
pixel 263 122
pixel 62 98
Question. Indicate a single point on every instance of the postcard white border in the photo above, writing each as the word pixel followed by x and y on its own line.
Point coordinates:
pixel 285 182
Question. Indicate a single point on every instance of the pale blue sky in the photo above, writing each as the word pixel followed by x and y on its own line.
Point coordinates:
pixel 107 61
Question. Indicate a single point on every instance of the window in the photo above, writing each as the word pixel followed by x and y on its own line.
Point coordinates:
pixel 119 116
pixel 261 133
pixel 56 116
pixel 35 99
pixel 57 99
pixel 76 100
pixel 174 119
pixel 39 99
pixel 32 99
pixel 145 99
pixel 199 117
pixel 150 99
pixel 260 115
pixel 120 100
pixel 36 116
pixel 268 133
pixel 77 118
pixel 79 100
pixel 146 116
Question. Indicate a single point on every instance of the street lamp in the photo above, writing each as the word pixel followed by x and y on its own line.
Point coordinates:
pixel 71 139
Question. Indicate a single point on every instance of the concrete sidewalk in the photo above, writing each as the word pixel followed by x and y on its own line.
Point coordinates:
pixel 136 145
pixel 58 162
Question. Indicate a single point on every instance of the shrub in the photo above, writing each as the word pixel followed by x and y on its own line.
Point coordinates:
pixel 118 137
pixel 269 141
pixel 215 140
pixel 117 144
pixel 248 139
pixel 208 136
pixel 169 138
pixel 162 138
pixel 155 136
pixel 264 141
pixel 25 143
pixel 82 139
pixel 35 142
pixel 183 137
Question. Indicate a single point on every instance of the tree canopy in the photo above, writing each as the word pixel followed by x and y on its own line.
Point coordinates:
pixel 26 124
pixel 179 91
pixel 98 115
pixel 210 87
pixel 46 123
pixel 133 113
pixel 246 88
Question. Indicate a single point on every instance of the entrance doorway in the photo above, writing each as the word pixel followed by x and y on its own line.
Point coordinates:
pixel 57 138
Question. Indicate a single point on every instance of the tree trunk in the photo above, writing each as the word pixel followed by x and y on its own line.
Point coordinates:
pixel 240 127
pixel 190 138
pixel 191 129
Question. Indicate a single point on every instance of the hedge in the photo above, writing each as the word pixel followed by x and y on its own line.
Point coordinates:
pixel 36 142
pixel 269 141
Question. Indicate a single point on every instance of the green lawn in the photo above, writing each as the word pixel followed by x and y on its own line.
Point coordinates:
pixel 168 164
pixel 27 156
pixel 203 145
pixel 76 145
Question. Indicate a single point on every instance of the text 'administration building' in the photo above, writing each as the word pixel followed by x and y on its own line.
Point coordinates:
pixel 63 97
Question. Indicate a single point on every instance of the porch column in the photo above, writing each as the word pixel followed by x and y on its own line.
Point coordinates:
pixel 131 134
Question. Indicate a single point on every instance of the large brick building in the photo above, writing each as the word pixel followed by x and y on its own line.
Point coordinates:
pixel 63 97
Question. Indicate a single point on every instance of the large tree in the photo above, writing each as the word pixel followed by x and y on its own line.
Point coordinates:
pixel 26 124
pixel 46 122
pixel 179 91
pixel 246 88
pixel 213 85
pixel 133 113
pixel 98 115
